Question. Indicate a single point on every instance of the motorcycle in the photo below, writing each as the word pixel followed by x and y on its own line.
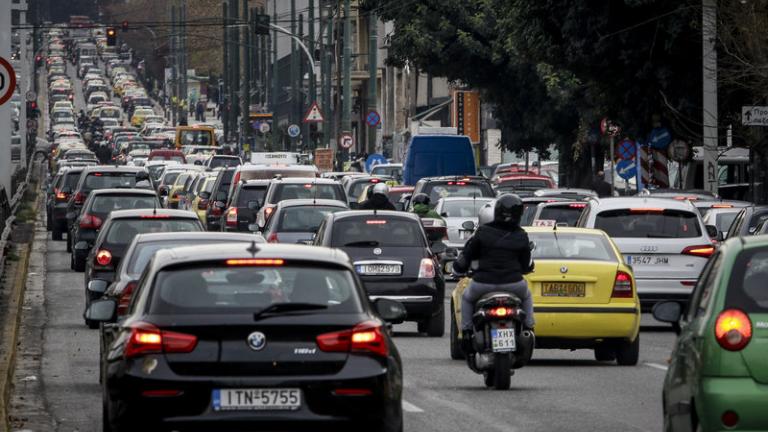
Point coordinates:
pixel 500 341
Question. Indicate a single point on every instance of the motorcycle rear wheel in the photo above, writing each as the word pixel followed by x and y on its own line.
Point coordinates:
pixel 502 373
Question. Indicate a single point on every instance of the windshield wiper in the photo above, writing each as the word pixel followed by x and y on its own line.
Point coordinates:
pixel 649 235
pixel 277 308
pixel 372 243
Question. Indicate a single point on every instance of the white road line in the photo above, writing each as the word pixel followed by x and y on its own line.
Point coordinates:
pixel 657 366
pixel 411 408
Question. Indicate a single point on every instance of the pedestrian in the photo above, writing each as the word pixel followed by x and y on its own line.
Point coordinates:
pixel 599 185
pixel 200 111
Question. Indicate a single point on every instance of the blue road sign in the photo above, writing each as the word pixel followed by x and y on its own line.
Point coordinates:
pixel 373 160
pixel 627 149
pixel 659 138
pixel 373 119
pixel 626 168
pixel 294 131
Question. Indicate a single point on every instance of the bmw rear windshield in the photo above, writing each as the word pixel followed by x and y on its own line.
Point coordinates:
pixel 372 231
pixel 108 180
pixel 649 223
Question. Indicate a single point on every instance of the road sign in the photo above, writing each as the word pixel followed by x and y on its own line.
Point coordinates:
pixel 314 115
pixel 346 140
pixel 679 151
pixel 626 168
pixel 324 159
pixel 264 127
pixel 294 131
pixel 373 118
pixel 659 138
pixel 466 114
pixel 754 115
pixel 31 96
pixel 373 160
pixel 7 80
pixel 626 149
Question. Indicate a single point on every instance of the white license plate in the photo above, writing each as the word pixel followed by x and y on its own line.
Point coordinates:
pixel 503 340
pixel 653 260
pixel 463 235
pixel 256 399
pixel 378 269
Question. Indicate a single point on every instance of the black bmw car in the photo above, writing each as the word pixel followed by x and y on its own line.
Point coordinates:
pixel 263 337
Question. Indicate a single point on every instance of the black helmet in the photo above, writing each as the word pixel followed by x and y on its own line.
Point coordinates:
pixel 508 209
pixel 421 198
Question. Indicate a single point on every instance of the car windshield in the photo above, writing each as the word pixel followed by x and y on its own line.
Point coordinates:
pixel 746 288
pixel 303 218
pixel 459 189
pixel 377 232
pixel 108 203
pixel 562 213
pixel 307 191
pixel 195 137
pixel 524 184
pixel 221 289
pixel 143 252
pixel 250 194
pixel 224 162
pixel 122 231
pixel 395 172
pixel 723 220
pixel 571 246
pixel 358 188
pixel 109 180
pixel 463 208
pixel 170 178
pixel 156 171
pixel 649 223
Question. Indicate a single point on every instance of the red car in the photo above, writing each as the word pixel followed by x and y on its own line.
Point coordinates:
pixel 174 155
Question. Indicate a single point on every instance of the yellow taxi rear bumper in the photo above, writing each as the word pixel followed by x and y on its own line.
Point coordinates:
pixel 587 321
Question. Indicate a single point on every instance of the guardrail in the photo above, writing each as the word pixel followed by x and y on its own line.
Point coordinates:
pixel 14 204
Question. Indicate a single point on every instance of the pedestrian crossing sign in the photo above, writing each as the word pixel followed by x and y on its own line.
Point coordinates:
pixel 314 115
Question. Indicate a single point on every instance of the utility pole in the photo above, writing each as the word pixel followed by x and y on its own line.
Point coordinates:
pixel 224 94
pixel 313 81
pixel 245 129
pixel 346 111
pixel 304 139
pixel 294 75
pixel 275 83
pixel 174 74
pixel 184 104
pixel 329 128
pixel 5 114
pixel 709 54
pixel 373 67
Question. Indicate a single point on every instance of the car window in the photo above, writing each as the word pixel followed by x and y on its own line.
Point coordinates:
pixel 122 231
pixel 649 223
pixel 747 289
pixel 307 191
pixel 567 213
pixel 357 188
pixel 736 225
pixel 108 203
pixel 572 246
pixel 224 162
pixel 463 209
pixel 217 289
pixel 457 189
pixel 251 194
pixel 724 220
pixel 170 178
pixel 377 232
pixel 71 179
pixel 756 219
pixel 525 184
pixel 143 252
pixel 109 180
pixel 303 218
pixel 704 286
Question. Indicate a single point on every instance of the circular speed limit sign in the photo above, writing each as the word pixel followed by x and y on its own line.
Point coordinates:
pixel 7 80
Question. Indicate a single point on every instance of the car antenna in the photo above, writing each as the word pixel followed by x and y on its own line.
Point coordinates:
pixel 154 208
pixel 314 196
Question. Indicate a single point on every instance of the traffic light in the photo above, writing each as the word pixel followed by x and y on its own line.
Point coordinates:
pixel 111 36
pixel 32 111
pixel 261 24
pixel 124 25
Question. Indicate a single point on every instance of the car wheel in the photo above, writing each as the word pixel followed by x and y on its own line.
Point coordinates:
pixel 628 353
pixel 120 418
pixel 435 326
pixel 69 242
pixel 605 353
pixel 456 351
pixel 56 234
pixel 48 221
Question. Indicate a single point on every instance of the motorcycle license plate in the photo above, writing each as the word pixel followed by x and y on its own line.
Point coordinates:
pixel 503 340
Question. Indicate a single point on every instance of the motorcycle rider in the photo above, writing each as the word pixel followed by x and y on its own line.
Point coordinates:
pixel 502 251
pixel 422 208
pixel 379 199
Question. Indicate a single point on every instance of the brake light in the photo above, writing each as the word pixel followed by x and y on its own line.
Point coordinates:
pixel 215 210
pixel 232 216
pixel 577 205
pixel 146 338
pixel 256 262
pixel 722 206
pixel 79 198
pixel 426 268
pixel 646 210
pixel 376 222
pixel 125 298
pixel 366 337
pixel 61 196
pixel 622 285
pixel 703 251
pixel 375 180
pixel 272 238
pixel 268 211
pixel 733 329
pixel 89 221
pixel 501 312
pixel 155 216
pixel 237 178
pixel 103 257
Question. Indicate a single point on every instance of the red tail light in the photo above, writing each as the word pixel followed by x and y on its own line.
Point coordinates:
pixel 367 337
pixel 125 298
pixel 89 221
pixel 215 210
pixel 103 257
pixel 622 285
pixel 426 268
pixel 61 196
pixel 146 338
pixel 79 198
pixel 202 204
pixel 273 238
pixel 703 251
pixel 733 329
pixel 268 212
pixel 232 217
pixel 501 312
pixel 255 262
pixel 578 205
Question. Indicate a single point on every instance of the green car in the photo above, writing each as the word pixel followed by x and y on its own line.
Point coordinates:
pixel 718 373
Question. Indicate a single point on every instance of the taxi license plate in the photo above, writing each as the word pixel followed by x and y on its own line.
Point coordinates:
pixel 563 289
pixel 378 269
pixel 647 260
pixel 256 399
pixel 503 340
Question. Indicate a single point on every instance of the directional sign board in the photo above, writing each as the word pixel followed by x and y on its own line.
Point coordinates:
pixel 7 80
pixel 660 138
pixel 373 160
pixel 294 131
pixel 264 127
pixel 754 115
pixel 314 115
pixel 346 140
pixel 626 169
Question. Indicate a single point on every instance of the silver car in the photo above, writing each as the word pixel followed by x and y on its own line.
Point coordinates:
pixel 664 240
pixel 456 211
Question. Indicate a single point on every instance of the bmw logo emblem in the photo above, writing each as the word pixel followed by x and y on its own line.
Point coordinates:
pixel 563 269
pixel 257 341
pixel 377 251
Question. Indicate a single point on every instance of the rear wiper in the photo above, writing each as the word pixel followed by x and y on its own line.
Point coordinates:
pixel 659 236
pixel 277 308
pixel 372 243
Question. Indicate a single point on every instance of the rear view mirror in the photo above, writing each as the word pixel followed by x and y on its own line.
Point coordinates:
pixel 668 312
pixel 97 286
pixel 253 205
pixel 712 231
pixel 102 311
pixel 390 311
pixel 205 195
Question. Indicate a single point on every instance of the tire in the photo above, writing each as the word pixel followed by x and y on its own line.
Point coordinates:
pixel 435 326
pixel 69 243
pixel 502 374
pixel 456 352
pixel 78 264
pixel 628 353
pixel 48 221
pixel 56 234
pixel 604 353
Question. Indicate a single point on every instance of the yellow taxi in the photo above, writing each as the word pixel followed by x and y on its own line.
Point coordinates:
pixel 178 187
pixel 584 295
pixel 200 202
pixel 137 120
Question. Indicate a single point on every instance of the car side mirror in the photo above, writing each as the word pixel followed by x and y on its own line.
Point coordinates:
pixel 468 225
pixel 205 195
pixel 390 311
pixel 102 311
pixel 712 231
pixel 253 205
pixel 668 312
pixel 97 286
pixel 82 245
pixel 163 191
pixel 438 247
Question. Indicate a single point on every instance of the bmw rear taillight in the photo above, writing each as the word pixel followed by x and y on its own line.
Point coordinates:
pixel 103 257
pixel 146 338
pixel 79 198
pixel 733 329
pixel 703 251
pixel 124 302
pixel 89 221
pixel 622 285
pixel 426 268
pixel 232 217
pixel 367 337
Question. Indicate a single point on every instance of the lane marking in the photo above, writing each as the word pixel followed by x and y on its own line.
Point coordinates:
pixel 411 408
pixel 657 366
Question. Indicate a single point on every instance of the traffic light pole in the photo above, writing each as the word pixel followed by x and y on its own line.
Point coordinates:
pixel 346 111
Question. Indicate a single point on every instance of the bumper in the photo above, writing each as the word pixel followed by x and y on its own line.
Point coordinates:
pixel 108 276
pixel 652 291
pixel 422 298
pixel 742 395
pixel 193 407
pixel 588 322
pixel 59 216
